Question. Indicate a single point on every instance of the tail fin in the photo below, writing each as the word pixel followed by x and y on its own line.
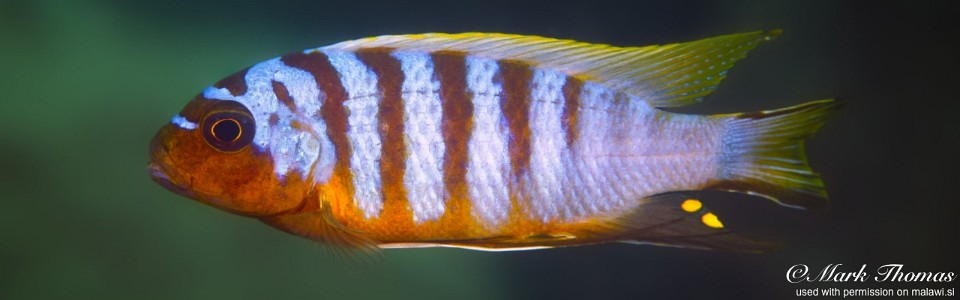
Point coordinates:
pixel 762 154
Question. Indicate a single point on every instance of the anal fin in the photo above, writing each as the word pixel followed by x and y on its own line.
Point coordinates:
pixel 675 219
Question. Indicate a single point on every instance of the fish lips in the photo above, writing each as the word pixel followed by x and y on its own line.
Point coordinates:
pixel 155 167
pixel 160 177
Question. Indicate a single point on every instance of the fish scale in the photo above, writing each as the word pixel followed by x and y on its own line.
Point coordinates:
pixel 487 165
pixel 360 84
pixel 423 177
pixel 545 191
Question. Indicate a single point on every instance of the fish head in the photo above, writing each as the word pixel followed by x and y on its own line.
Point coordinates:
pixel 241 152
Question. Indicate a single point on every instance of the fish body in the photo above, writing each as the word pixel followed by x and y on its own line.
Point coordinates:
pixel 487 141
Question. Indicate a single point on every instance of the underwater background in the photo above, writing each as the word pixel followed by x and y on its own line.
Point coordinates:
pixel 84 85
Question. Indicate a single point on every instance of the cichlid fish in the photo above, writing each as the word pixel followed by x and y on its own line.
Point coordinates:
pixel 487 141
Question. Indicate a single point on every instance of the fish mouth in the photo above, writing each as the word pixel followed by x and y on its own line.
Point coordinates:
pixel 157 170
pixel 160 177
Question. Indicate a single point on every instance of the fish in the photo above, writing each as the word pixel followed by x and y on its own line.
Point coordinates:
pixel 489 141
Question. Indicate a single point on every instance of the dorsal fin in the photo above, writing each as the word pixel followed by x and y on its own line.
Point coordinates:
pixel 668 75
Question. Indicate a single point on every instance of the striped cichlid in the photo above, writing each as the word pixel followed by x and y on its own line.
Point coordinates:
pixel 487 141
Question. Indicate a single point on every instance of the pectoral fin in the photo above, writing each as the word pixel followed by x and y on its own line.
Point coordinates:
pixel 678 220
pixel 320 225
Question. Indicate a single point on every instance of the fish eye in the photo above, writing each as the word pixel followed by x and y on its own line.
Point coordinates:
pixel 226 130
pixel 228 127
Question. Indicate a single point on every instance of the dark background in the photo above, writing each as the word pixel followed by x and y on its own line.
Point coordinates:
pixel 85 84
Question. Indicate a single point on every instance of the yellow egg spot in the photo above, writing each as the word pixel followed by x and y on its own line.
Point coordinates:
pixel 711 220
pixel 691 205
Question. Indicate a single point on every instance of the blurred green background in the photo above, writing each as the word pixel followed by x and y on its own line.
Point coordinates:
pixel 85 84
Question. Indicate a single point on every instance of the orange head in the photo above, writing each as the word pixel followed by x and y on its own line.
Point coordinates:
pixel 237 147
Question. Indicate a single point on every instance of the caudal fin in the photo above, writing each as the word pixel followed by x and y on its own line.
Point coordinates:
pixel 763 154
